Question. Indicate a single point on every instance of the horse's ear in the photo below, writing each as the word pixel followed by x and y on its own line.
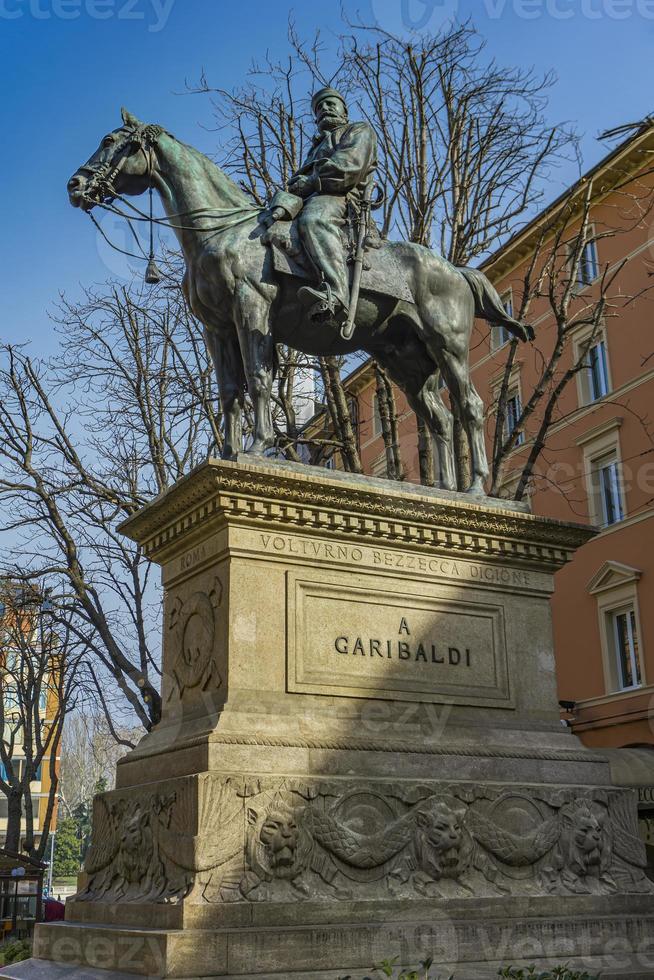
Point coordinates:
pixel 129 120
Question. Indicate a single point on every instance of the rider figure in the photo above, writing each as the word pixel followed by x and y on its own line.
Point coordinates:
pixel 340 163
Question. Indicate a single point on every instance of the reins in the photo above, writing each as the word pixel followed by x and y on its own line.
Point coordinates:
pixel 101 182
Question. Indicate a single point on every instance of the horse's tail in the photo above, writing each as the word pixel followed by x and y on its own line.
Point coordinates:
pixel 489 306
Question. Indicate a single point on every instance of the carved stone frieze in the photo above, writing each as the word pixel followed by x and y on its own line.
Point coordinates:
pixel 215 839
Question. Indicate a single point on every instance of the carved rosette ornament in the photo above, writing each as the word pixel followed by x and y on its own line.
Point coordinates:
pixel 192 623
pixel 284 840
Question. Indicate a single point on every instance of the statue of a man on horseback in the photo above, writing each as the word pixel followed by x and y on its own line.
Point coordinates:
pixel 333 178
pixel 414 310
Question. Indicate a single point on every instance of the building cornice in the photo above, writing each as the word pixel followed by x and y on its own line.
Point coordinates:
pixel 623 162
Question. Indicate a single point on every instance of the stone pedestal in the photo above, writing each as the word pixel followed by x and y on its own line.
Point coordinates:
pixel 360 754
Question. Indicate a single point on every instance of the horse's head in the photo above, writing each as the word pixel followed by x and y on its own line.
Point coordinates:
pixel 122 164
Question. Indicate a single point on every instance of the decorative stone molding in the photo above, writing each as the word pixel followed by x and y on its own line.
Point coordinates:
pixel 222 492
pixel 350 743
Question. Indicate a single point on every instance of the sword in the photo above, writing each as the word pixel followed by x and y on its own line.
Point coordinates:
pixel 364 223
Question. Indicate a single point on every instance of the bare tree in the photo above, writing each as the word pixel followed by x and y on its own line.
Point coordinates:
pixel 554 277
pixel 125 409
pixel 389 424
pixel 465 151
pixel 41 652
pixel 89 753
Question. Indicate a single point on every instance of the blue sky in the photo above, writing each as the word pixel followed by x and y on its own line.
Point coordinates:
pixel 68 66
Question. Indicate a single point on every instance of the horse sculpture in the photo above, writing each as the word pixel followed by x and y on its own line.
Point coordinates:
pixel 247 307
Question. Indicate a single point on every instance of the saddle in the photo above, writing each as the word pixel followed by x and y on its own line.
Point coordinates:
pixel 381 270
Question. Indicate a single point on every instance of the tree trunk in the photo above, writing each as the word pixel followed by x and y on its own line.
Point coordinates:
pixel 340 413
pixel 14 820
pixel 29 823
pixel 388 417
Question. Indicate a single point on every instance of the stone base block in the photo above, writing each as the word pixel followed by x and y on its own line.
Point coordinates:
pixel 469 939
pixel 360 754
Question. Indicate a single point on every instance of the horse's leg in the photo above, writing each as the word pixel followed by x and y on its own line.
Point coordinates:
pixel 414 371
pixel 255 338
pixel 443 430
pixel 226 357
pixel 445 305
pixel 462 390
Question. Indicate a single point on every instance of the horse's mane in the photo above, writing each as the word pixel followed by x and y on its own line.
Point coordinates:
pixel 238 195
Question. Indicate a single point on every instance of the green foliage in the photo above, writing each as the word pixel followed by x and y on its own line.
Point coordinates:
pixel 15 951
pixel 67 848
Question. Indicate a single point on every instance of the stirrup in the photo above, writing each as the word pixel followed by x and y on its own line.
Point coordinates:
pixel 326 307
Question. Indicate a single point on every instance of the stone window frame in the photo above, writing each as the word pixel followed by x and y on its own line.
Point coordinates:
pixel 578 340
pixel 597 444
pixel 615 588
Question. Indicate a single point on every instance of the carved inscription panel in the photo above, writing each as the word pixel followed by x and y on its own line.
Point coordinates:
pixel 372 640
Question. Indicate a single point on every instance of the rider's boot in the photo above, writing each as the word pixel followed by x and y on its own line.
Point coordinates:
pixel 324 304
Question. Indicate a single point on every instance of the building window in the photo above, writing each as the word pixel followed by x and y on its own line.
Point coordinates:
pixel 588 266
pixel 606 481
pixel 513 414
pixel 603 473
pixel 597 377
pixel 593 381
pixel 625 644
pixel 615 587
pixel 330 462
pixel 500 335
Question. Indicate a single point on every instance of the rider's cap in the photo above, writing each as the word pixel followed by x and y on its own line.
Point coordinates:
pixel 323 93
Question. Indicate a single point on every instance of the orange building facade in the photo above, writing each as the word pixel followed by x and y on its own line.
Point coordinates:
pixel 598 462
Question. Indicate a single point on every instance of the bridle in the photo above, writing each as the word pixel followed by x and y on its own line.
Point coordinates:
pixel 100 186
pixel 100 192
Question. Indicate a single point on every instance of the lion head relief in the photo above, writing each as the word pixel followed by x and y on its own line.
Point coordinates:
pixel 584 843
pixel 442 844
pixel 136 845
pixel 277 847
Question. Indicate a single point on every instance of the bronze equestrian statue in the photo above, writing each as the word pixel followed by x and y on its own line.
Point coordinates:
pixel 250 283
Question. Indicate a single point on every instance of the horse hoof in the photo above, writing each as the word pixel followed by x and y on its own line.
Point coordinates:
pixel 259 448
